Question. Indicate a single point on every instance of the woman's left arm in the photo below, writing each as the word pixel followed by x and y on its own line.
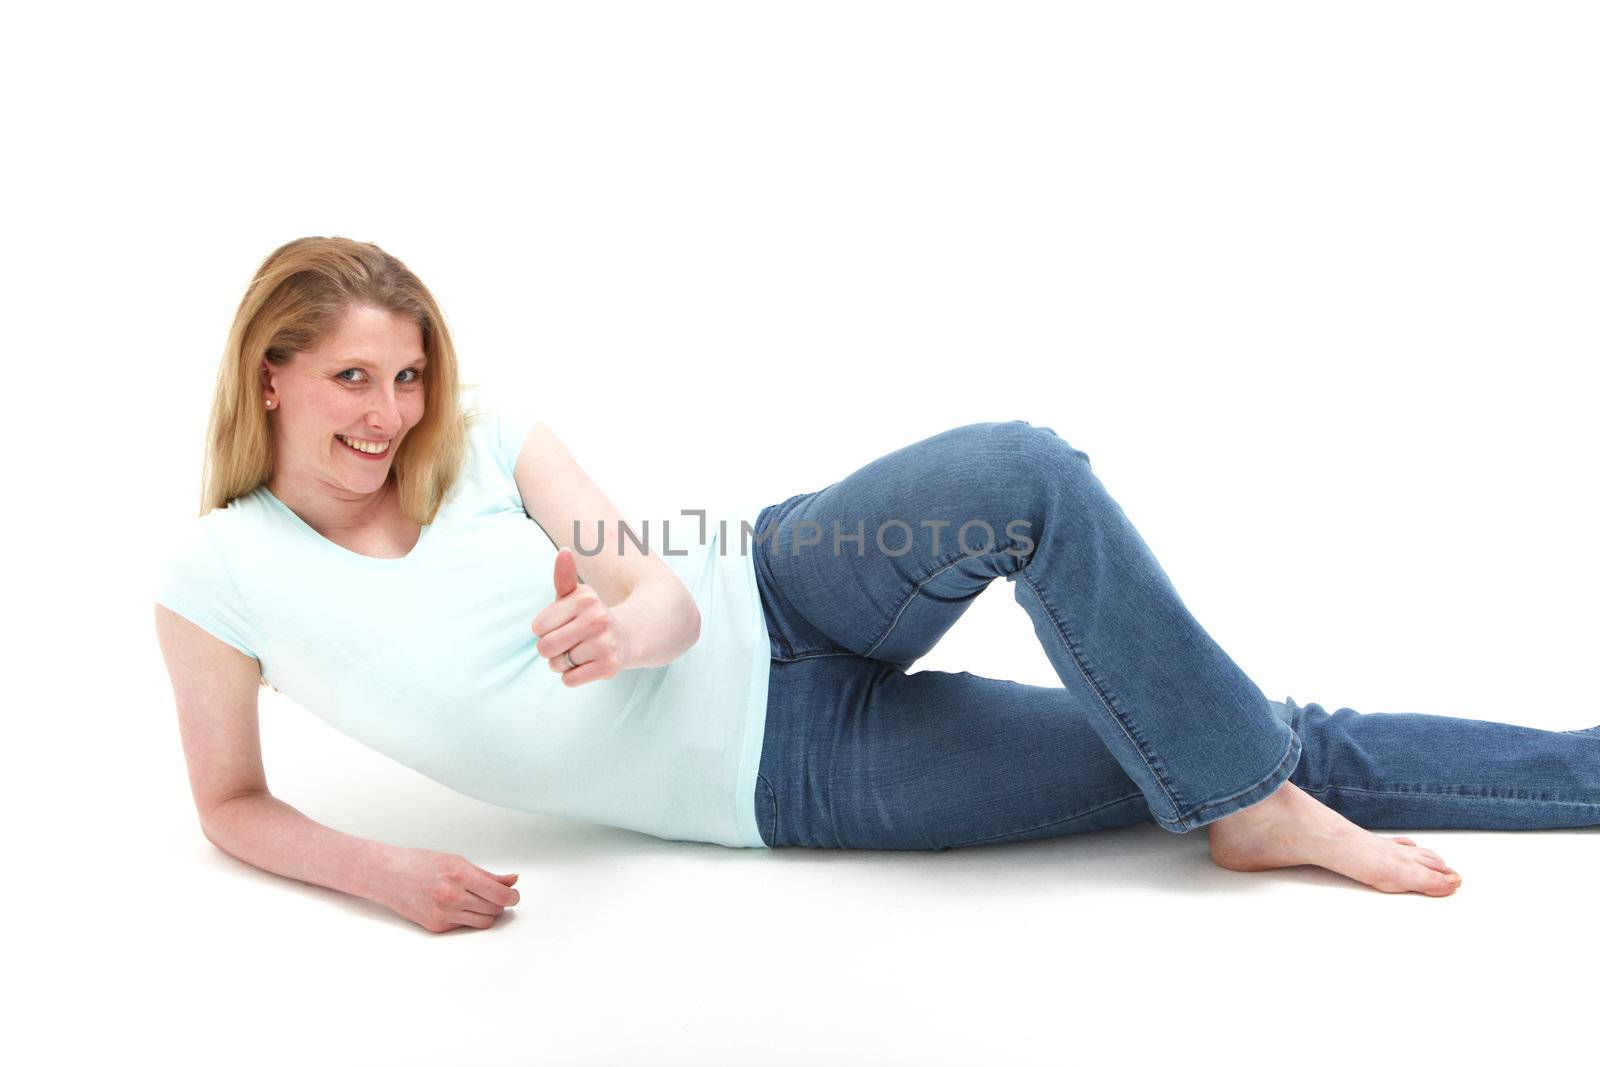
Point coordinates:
pixel 658 622
pixel 652 613
pixel 649 625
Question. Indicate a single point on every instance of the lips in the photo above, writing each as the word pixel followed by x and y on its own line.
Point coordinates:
pixel 380 449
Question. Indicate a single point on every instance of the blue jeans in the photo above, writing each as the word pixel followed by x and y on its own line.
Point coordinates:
pixel 1152 722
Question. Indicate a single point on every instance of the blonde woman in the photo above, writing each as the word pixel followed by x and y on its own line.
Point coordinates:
pixel 441 581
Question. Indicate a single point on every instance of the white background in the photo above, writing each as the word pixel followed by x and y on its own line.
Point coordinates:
pixel 1313 285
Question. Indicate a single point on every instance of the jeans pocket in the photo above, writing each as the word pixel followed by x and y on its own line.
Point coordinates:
pixel 766 810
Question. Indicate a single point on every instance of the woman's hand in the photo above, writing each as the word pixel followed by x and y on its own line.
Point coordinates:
pixel 439 891
pixel 579 624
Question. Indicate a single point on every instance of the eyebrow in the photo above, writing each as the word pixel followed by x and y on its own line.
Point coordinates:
pixel 356 362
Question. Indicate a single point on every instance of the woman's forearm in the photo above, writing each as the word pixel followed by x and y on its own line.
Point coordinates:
pixel 659 622
pixel 264 832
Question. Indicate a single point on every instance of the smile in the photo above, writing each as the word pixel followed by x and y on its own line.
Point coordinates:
pixel 366 448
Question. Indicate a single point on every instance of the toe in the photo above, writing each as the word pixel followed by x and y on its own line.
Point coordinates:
pixel 1425 856
pixel 1439 884
pixel 1434 863
pixel 1405 872
pixel 1441 867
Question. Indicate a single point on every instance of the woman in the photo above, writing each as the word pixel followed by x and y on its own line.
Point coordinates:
pixel 364 547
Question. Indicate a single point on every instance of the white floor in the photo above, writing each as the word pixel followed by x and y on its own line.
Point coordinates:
pixel 1126 946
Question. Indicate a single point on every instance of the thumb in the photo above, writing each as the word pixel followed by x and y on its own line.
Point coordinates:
pixel 566 572
pixel 506 878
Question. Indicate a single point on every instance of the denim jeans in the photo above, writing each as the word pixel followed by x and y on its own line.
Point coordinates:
pixel 1152 722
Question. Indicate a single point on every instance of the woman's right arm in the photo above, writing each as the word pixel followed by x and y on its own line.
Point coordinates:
pixel 216 686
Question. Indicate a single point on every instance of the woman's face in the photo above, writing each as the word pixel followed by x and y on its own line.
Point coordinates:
pixel 363 383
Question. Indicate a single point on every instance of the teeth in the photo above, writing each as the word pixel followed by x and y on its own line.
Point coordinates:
pixel 376 448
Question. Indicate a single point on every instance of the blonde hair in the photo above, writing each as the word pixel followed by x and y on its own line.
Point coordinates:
pixel 298 296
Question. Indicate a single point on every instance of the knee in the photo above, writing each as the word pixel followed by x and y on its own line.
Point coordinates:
pixel 1057 442
pixel 1038 460
pixel 1036 445
pixel 1016 470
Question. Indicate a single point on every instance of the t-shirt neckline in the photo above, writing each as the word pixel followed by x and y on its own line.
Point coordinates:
pixel 380 561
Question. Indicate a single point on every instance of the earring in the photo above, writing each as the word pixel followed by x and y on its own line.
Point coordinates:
pixel 269 403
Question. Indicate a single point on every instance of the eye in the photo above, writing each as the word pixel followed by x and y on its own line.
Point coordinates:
pixel 358 370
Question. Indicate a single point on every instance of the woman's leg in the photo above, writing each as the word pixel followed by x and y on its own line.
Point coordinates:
pixel 883 562
pixel 1418 771
pixel 860 754
pixel 1410 770
pixel 860 568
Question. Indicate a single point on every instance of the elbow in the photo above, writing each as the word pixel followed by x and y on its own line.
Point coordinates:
pixel 215 821
pixel 691 617
pixel 694 622
pixel 213 832
pixel 688 611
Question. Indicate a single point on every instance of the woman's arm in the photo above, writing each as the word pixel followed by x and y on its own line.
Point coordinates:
pixel 216 686
pixel 264 832
pixel 653 611
pixel 659 622
pixel 436 890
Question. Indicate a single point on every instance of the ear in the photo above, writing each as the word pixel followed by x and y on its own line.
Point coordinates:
pixel 267 391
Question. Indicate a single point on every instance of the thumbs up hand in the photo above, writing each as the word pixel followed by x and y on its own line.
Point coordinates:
pixel 577 633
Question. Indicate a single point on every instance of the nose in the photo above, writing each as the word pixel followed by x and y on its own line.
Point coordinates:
pixel 384 416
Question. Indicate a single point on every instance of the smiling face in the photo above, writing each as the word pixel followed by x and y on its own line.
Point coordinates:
pixel 362 385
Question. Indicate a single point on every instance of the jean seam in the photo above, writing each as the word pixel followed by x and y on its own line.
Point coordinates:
pixel 810 655
pixel 772 833
pixel 1052 822
pixel 783 650
pixel 833 784
pixel 1431 793
pixel 917 591
pixel 1101 696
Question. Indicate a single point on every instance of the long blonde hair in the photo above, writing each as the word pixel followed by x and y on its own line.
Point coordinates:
pixel 298 296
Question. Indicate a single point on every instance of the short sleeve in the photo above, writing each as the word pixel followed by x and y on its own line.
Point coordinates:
pixel 507 420
pixel 194 582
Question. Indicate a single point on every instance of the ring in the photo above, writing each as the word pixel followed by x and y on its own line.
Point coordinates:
pixel 570 664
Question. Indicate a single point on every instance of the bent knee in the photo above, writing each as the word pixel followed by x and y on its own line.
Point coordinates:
pixel 1036 457
pixel 1039 436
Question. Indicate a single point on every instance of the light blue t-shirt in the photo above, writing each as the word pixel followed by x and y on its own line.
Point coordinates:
pixel 431 659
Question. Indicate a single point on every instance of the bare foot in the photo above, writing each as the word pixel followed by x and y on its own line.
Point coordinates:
pixel 1291 827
